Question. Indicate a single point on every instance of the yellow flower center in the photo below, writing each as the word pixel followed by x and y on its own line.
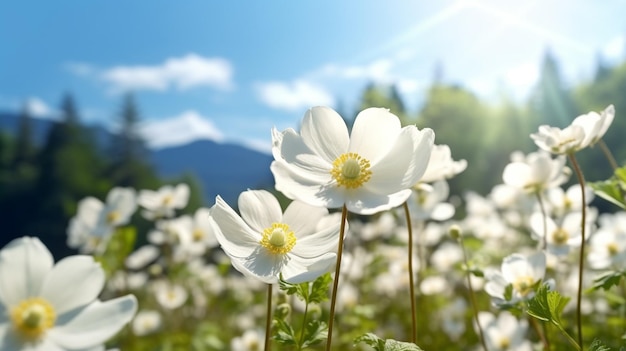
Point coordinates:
pixel 351 170
pixel 278 238
pixel 504 343
pixel 560 236
pixel 613 249
pixel 197 235
pixel 524 285
pixel 112 217
pixel 32 318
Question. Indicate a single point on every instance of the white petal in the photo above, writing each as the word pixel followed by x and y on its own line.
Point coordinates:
pixel 325 132
pixel 294 152
pixel 366 202
pixel 24 264
pixel 73 282
pixel 400 168
pixel 234 235
pixel 95 324
pixel 516 174
pixel 303 218
pixel 238 263
pixel 301 270
pixel 263 264
pixel 259 208
pixel 373 133
pixel 319 243
pixel 298 187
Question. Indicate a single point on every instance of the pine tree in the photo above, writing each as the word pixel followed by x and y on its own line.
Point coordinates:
pixel 130 166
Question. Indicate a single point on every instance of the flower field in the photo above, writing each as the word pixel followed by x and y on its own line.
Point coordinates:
pixel 360 246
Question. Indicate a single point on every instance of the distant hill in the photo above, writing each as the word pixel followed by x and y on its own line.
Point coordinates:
pixel 223 169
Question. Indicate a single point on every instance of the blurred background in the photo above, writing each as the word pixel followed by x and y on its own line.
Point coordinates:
pixel 140 94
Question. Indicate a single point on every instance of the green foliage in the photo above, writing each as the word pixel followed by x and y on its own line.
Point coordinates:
pixel 386 345
pixel 547 305
pixel 119 246
pixel 315 292
pixel 612 189
pixel 608 280
pixel 598 345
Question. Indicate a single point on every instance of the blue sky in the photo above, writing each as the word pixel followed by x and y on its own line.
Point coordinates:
pixel 231 70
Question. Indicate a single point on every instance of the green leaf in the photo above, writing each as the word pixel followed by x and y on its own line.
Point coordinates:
pixel 119 246
pixel 508 292
pixel 608 280
pixel 598 345
pixel 315 332
pixel 284 333
pixel 610 190
pixel 386 345
pixel 300 290
pixel 547 305
pixel 319 290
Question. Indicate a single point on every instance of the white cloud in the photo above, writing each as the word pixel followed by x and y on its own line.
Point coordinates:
pixel 80 68
pixel 523 76
pixel 293 96
pixel 378 71
pixel 183 73
pixel 179 130
pixel 38 108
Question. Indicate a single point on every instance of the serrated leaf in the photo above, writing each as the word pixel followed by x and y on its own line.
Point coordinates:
pixel 386 345
pixel 300 290
pixel 319 289
pixel 608 280
pixel 283 333
pixel 315 332
pixel 598 345
pixel 547 305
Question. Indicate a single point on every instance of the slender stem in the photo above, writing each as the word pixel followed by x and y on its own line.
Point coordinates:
pixel 607 153
pixel 268 321
pixel 545 220
pixel 472 296
pixel 306 310
pixel 333 298
pixel 542 335
pixel 581 181
pixel 411 282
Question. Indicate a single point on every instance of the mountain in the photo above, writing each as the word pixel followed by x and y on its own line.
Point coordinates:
pixel 224 169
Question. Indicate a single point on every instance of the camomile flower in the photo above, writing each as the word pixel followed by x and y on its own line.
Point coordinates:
pixel 537 172
pixel 522 273
pixel 369 170
pixel 164 201
pixel 47 306
pixel 562 235
pixel 504 332
pixel 96 221
pixel 264 243
pixel 146 322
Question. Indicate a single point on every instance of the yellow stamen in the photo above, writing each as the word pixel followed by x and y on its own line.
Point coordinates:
pixel 112 217
pixel 351 170
pixel 560 236
pixel 524 285
pixel 32 318
pixel 278 238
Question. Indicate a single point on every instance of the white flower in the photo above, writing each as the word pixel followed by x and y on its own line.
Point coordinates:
pixel 96 221
pixel 595 125
pixel 146 322
pixel 538 172
pixel 141 257
pixel 570 200
pixel 170 296
pixel 560 237
pixel 608 244
pixel 163 202
pixel 428 201
pixel 55 307
pixel 584 131
pixel 519 271
pixel 441 165
pixel 251 340
pixel 369 171
pixel 504 332
pixel 264 242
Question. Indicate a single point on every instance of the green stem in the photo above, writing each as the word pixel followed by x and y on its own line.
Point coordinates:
pixel 607 153
pixel 542 335
pixel 570 339
pixel 411 282
pixel 581 181
pixel 545 220
pixel 306 310
pixel 268 321
pixel 333 299
pixel 471 295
